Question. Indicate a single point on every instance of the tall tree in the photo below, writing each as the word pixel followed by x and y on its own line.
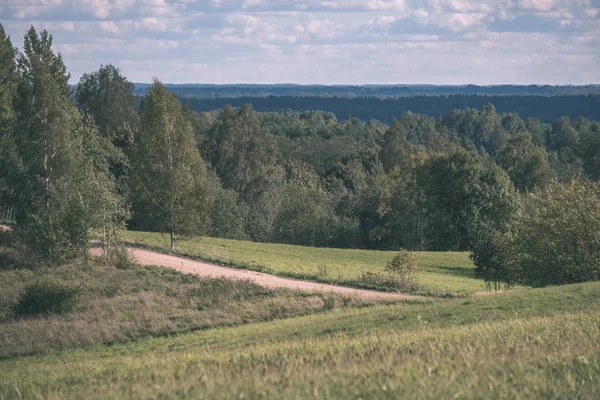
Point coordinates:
pixel 395 147
pixel 526 164
pixel 8 158
pixel 8 81
pixel 108 97
pixel 54 211
pixel 109 210
pixel 562 135
pixel 245 157
pixel 589 147
pixel 169 180
pixel 463 194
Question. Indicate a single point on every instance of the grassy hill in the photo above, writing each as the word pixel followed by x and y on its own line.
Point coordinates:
pixel 148 332
pixel 441 272
pixel 540 343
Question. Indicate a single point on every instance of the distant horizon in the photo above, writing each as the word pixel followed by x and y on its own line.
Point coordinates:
pixel 369 84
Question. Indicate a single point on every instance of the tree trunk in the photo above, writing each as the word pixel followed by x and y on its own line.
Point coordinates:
pixel 172 240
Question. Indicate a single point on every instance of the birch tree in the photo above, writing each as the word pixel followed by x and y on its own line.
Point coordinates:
pixel 8 160
pixel 169 182
pixel 54 212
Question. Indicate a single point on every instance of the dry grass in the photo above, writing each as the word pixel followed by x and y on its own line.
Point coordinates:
pixel 119 305
pixel 526 344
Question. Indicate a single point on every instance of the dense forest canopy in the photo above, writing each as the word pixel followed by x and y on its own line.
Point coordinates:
pixel 351 91
pixel 545 108
pixel 443 176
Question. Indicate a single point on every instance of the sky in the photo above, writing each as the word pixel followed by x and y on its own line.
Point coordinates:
pixel 322 41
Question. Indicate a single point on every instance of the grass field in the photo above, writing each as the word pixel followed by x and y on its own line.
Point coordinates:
pixel 441 272
pixel 539 343
pixel 119 305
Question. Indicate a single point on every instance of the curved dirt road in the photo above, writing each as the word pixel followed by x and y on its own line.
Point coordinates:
pixel 185 265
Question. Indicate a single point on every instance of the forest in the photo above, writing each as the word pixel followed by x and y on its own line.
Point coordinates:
pixel 471 174
pixel 545 108
pixel 211 91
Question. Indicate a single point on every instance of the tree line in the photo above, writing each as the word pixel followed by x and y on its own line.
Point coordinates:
pixel 212 91
pixel 99 157
pixel 546 108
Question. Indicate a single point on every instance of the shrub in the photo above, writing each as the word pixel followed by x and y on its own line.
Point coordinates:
pixel 46 297
pixel 556 241
pixel 404 264
pixel 322 272
pixel 391 281
pixel 553 241
pixel 121 258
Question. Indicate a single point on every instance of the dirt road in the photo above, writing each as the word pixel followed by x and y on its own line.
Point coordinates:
pixel 185 265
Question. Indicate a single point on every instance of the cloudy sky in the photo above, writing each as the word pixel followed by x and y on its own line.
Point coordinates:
pixel 322 41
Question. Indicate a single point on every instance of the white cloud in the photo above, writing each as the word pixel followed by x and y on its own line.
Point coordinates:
pixel 109 26
pixel 326 41
pixel 153 24
pixel 538 5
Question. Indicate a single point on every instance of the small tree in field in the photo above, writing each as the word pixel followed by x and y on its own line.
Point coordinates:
pixel 404 264
pixel 169 181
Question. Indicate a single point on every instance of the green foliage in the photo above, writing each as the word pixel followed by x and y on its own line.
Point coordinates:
pixel 490 252
pixel 553 240
pixel 463 194
pixel 229 216
pixel 395 147
pixel 53 213
pixel 401 219
pixel 170 184
pixel 121 258
pixel 526 164
pixel 589 148
pixel 108 97
pixel 400 273
pixel 556 240
pixel 389 281
pixel 9 164
pixel 562 135
pixel 244 157
pixel 404 263
pixel 46 296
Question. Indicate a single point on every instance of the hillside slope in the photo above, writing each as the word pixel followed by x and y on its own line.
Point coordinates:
pixel 538 343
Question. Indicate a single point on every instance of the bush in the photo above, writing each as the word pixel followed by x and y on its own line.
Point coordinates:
pixel 404 264
pixel 391 281
pixel 46 297
pixel 556 241
pixel 121 258
pixel 553 241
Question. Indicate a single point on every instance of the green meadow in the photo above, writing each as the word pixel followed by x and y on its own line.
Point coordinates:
pixel 441 272
pixel 539 343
